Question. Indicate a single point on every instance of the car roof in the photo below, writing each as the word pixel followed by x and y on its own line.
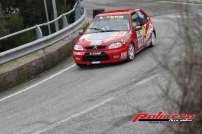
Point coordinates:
pixel 118 12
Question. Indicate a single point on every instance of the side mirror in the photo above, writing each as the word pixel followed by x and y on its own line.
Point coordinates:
pixel 137 28
pixel 81 32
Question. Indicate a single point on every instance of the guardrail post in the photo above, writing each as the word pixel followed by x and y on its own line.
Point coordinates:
pixel 47 15
pixel 64 21
pixel 39 33
pixel 78 11
pixel 55 15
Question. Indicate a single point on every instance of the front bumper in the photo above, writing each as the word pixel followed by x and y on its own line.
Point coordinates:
pixel 100 56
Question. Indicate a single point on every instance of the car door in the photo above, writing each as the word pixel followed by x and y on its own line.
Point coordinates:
pixel 148 27
pixel 140 25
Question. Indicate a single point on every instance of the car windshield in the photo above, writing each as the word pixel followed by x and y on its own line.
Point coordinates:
pixel 109 24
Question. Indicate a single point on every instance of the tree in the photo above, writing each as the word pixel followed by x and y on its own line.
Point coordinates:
pixel 20 14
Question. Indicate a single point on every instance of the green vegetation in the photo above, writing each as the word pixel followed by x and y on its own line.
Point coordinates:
pixel 16 15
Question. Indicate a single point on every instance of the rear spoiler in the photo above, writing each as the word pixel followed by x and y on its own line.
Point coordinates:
pixel 97 11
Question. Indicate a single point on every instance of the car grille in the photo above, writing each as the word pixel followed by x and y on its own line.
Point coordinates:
pixel 103 56
pixel 95 47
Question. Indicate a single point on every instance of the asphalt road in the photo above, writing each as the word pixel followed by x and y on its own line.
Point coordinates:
pixel 97 99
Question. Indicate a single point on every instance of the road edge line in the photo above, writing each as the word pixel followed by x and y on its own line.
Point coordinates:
pixel 74 116
pixel 38 83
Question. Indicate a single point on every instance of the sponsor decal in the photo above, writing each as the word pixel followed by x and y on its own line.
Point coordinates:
pixel 143 31
pixel 162 117
pixel 141 35
pixel 139 39
pixel 149 32
pixel 113 17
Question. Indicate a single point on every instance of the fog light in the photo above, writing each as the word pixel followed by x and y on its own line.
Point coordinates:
pixel 78 53
pixel 116 56
pixel 77 58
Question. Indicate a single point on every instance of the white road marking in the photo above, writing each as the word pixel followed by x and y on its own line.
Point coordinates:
pixel 88 110
pixel 178 2
pixel 37 84
pixel 147 79
pixel 73 116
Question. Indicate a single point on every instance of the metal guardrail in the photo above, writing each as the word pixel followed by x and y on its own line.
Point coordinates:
pixel 44 41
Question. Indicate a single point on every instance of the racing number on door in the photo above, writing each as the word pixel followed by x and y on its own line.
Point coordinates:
pixel 141 36
pixel 139 19
pixel 140 39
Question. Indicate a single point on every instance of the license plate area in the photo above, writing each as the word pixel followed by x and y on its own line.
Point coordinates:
pixel 95 56
pixel 96 62
pixel 95 53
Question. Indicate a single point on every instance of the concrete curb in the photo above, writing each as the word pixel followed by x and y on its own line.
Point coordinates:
pixel 29 66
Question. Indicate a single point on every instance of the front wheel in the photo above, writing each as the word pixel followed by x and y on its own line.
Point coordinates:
pixel 131 52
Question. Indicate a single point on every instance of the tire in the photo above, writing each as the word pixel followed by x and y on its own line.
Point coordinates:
pixel 131 52
pixel 153 40
pixel 81 65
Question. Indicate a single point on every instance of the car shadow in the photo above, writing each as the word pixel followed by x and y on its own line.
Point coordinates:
pixel 98 66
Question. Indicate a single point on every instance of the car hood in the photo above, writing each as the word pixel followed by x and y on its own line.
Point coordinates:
pixel 102 38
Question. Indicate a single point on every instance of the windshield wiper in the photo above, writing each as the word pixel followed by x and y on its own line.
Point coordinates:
pixel 102 30
pixel 98 29
pixel 112 30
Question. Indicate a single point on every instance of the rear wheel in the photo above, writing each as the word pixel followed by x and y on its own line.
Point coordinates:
pixel 131 52
pixel 153 39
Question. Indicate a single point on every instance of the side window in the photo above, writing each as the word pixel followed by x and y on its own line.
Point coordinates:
pixel 142 17
pixel 135 19
pixel 139 19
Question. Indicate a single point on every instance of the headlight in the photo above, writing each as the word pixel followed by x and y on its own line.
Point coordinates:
pixel 78 47
pixel 115 45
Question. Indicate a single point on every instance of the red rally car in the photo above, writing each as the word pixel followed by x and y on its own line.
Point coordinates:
pixel 114 36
